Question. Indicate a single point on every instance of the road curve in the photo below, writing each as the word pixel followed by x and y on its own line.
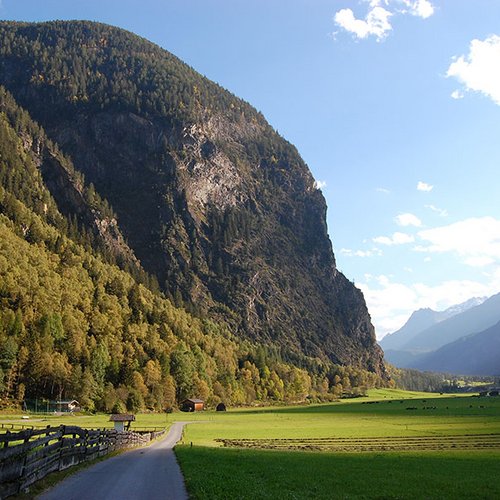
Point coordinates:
pixel 149 473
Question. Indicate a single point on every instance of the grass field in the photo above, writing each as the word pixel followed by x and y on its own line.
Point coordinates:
pixel 447 447
pixel 392 444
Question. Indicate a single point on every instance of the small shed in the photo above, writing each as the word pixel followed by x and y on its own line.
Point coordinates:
pixel 122 421
pixel 192 405
pixel 220 407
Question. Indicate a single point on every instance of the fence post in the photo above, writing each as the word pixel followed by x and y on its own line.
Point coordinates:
pixel 62 428
pixel 21 474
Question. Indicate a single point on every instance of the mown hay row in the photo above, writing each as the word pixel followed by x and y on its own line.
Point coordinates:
pixel 393 443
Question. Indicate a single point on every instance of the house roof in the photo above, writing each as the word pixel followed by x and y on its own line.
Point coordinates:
pixel 68 402
pixel 194 400
pixel 121 417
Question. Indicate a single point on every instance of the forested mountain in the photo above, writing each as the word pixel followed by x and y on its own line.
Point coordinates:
pixel 148 187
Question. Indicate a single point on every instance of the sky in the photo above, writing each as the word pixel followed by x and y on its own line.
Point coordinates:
pixel 393 104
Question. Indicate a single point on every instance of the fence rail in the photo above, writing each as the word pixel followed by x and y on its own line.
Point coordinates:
pixel 29 455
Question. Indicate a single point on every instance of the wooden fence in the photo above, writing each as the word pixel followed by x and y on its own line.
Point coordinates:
pixel 29 455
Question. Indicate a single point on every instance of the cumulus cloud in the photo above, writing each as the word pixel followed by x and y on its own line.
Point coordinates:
pixel 396 239
pixel 377 22
pixel 319 184
pixel 390 303
pixel 419 8
pixel 408 219
pixel 475 240
pixel 423 186
pixel 479 71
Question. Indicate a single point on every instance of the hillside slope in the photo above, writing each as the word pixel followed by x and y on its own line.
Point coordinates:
pixel 75 325
pixel 477 354
pixel 209 198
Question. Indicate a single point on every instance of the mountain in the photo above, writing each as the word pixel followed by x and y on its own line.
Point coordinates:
pixel 426 344
pixel 168 235
pixel 477 354
pixel 421 320
pixel 471 321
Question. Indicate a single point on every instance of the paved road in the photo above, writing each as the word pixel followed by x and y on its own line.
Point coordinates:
pixel 145 473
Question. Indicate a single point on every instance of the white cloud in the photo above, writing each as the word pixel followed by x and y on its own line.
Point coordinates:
pixel 408 219
pixel 383 190
pixel 396 239
pixel 377 20
pixel 319 184
pixel 361 253
pixel 476 240
pixel 423 186
pixel 479 71
pixel 456 94
pixel 440 211
pixel 376 23
pixel 419 8
pixel 390 304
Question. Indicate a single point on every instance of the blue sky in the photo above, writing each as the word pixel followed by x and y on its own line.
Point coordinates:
pixel 394 105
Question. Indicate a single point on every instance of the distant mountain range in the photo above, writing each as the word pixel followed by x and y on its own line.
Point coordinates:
pixel 477 354
pixel 463 339
pixel 422 320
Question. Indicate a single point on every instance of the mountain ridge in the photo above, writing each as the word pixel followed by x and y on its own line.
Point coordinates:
pixel 424 349
pixel 422 319
pixel 476 354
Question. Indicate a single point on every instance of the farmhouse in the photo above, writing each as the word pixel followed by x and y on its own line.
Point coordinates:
pixel 192 405
pixel 122 421
pixel 68 406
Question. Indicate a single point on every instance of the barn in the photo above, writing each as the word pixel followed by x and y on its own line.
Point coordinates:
pixel 192 405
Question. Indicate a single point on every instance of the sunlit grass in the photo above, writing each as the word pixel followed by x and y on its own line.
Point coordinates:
pixel 215 472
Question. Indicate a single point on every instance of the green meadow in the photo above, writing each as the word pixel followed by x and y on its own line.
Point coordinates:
pixel 467 467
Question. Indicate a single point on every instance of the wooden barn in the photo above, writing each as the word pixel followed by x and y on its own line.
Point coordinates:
pixel 122 421
pixel 192 405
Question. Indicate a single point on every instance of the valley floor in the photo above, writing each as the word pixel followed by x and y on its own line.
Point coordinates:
pixel 391 444
pixel 447 447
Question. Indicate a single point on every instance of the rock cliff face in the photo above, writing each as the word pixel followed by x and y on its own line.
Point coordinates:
pixel 209 198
